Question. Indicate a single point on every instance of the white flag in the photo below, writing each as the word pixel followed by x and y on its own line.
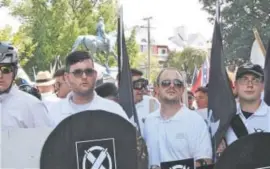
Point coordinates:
pixel 256 55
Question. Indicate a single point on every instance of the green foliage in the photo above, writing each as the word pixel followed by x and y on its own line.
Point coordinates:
pixel 4 3
pixel 6 33
pixel 187 60
pixel 141 63
pixel 22 42
pixel 238 20
pixel 53 25
pixel 133 49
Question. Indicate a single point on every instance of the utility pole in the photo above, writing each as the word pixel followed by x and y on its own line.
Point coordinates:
pixel 149 44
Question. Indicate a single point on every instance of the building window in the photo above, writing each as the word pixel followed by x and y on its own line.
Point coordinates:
pixel 163 51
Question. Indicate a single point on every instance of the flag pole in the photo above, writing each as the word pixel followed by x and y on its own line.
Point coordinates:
pixel 259 40
pixel 209 114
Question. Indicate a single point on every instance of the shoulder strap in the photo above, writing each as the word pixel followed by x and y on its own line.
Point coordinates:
pixel 238 126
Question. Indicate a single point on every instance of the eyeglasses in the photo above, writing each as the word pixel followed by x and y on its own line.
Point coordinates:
pixel 140 84
pixel 246 81
pixel 79 72
pixel 6 69
pixel 58 85
pixel 176 82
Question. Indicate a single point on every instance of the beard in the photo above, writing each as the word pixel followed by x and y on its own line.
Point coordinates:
pixel 170 101
pixel 85 93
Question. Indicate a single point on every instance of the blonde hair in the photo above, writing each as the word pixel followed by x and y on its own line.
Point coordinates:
pixel 184 98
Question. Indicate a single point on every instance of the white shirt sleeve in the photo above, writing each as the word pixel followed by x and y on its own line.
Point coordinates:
pixel 202 147
pixel 151 143
pixel 40 115
pixel 122 113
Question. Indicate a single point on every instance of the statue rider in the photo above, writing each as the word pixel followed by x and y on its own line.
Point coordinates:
pixel 101 34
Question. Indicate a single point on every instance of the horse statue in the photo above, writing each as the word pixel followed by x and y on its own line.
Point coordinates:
pixel 95 45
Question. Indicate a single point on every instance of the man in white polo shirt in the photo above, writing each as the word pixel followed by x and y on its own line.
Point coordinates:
pixel 145 104
pixel 174 132
pixel 81 78
pixel 253 115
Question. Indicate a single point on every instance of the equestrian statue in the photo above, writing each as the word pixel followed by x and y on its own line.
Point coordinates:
pixel 101 42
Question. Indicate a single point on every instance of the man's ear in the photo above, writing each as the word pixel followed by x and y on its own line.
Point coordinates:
pixel 66 78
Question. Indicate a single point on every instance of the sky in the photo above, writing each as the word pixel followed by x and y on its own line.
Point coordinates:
pixel 167 15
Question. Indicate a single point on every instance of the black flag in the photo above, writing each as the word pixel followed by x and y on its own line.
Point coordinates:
pixel 221 105
pixel 125 84
pixel 267 76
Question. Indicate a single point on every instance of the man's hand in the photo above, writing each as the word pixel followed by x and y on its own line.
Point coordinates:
pixel 203 162
pixel 221 147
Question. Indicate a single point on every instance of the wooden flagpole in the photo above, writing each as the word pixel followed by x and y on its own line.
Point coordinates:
pixel 259 40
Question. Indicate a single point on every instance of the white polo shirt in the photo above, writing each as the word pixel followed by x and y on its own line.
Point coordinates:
pixel 143 109
pixel 257 122
pixel 22 110
pixel 203 112
pixel 65 108
pixel 183 136
pixel 49 99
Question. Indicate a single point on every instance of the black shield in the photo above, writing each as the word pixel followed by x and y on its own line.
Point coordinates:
pixel 249 152
pixel 91 139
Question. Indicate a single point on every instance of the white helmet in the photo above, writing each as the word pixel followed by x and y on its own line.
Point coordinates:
pixel 8 54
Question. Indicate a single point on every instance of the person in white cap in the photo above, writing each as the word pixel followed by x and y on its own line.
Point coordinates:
pixel 18 109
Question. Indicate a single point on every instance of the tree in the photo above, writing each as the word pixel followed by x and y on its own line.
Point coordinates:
pixel 6 33
pixel 238 20
pixel 22 43
pixel 187 60
pixel 141 63
pixel 53 25
pixel 133 49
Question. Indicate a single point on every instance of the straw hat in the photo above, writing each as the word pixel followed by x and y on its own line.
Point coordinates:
pixel 44 78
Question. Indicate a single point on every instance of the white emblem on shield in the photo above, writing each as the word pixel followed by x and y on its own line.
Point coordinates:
pixel 179 167
pixel 97 162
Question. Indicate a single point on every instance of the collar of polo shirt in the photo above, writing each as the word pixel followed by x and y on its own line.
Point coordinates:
pixel 176 117
pixel 261 111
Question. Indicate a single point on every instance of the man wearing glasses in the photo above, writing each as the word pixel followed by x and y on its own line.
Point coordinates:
pixel 61 87
pixel 253 114
pixel 144 104
pixel 81 77
pixel 174 132
pixel 17 108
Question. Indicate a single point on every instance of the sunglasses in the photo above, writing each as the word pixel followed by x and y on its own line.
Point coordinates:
pixel 6 69
pixel 140 84
pixel 80 72
pixel 176 82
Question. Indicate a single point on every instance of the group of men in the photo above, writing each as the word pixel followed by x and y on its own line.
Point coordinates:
pixel 171 129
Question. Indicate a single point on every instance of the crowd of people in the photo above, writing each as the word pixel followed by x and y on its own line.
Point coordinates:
pixel 172 129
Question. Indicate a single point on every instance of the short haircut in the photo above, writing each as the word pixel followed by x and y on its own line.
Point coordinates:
pixel 76 57
pixel 163 70
pixel 134 72
pixel 107 89
pixel 202 89
pixel 59 72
